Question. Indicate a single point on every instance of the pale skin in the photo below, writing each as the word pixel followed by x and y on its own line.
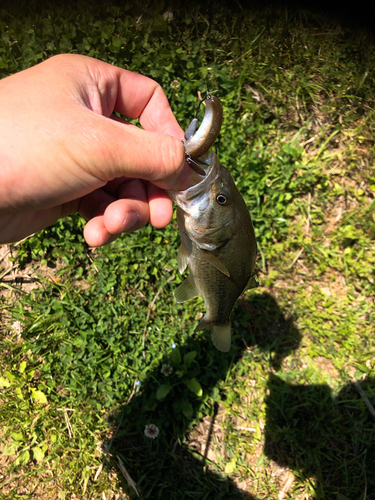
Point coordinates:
pixel 62 151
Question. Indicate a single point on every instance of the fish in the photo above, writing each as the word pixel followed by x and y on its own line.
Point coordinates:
pixel 218 246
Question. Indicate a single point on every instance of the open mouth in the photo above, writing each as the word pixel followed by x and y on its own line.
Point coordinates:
pixel 210 176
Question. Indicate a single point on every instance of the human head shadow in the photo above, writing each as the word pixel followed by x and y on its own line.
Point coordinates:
pixel 175 468
pixel 326 437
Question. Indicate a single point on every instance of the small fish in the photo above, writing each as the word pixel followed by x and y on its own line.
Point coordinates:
pixel 217 245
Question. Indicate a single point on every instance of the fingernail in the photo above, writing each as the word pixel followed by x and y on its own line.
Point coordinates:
pixel 131 220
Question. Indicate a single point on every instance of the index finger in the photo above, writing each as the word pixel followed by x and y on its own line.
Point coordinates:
pixel 141 97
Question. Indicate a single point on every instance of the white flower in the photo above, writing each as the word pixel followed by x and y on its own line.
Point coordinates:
pixel 166 370
pixel 168 15
pixel 175 84
pixel 151 431
pixel 17 327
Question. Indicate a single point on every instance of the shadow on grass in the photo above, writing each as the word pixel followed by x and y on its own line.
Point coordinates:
pixel 164 467
pixel 330 439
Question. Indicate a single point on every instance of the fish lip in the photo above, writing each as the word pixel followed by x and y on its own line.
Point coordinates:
pixel 193 191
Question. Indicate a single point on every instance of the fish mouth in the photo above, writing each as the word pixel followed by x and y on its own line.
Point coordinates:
pixel 213 231
pixel 181 197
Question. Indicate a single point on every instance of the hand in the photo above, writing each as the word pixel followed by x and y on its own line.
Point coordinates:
pixel 62 150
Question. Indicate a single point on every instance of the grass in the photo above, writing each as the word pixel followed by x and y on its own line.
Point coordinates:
pixel 279 416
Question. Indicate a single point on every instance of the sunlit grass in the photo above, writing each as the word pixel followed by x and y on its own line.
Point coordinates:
pixel 288 422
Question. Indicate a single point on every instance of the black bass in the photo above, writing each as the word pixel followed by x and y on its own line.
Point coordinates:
pixel 217 245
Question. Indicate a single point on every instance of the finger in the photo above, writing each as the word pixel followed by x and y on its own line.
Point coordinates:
pixel 186 179
pixel 123 149
pixel 96 234
pixel 118 150
pixel 131 211
pixel 160 206
pixel 143 98
pixel 92 208
pixel 95 204
pixel 131 94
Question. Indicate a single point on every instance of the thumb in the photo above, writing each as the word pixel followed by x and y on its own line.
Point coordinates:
pixel 125 150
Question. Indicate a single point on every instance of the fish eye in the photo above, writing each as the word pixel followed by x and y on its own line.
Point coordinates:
pixel 221 199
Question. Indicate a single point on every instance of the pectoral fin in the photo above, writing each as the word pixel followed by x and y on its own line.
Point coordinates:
pixel 186 291
pixel 182 258
pixel 214 261
pixel 220 335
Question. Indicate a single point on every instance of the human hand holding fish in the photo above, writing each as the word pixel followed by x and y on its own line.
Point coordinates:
pixel 63 150
pixel 217 236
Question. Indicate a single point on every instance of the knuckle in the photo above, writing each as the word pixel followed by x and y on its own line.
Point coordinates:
pixel 171 156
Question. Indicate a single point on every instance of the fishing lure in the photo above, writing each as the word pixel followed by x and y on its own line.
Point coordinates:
pixel 198 142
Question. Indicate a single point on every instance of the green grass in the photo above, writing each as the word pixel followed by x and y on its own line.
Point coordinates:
pixel 298 135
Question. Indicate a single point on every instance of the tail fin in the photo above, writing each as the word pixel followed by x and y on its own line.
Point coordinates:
pixel 220 335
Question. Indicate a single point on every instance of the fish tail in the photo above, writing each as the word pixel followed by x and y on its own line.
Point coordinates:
pixel 220 335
